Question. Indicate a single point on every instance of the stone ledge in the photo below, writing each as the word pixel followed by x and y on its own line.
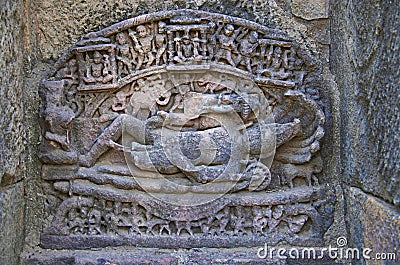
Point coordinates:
pixel 130 256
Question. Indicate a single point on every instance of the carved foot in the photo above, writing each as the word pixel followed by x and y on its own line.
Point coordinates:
pixel 163 114
pixel 115 145
pixel 85 161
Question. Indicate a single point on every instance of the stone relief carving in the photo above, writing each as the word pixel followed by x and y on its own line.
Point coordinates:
pixel 184 124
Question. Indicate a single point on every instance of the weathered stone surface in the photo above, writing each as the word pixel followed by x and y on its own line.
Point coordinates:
pixel 365 60
pixel 61 23
pixel 365 43
pixel 310 9
pixel 12 131
pixel 130 256
pixel 374 224
pixel 11 223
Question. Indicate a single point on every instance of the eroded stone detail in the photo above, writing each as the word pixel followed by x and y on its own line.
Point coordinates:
pixel 184 124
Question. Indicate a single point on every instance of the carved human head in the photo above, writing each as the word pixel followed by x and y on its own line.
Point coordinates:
pixel 97 57
pixel 212 25
pixel 121 96
pixel 185 39
pixel 72 64
pixel 139 84
pixel 161 26
pixel 253 37
pixel 277 212
pixel 229 30
pixel 278 51
pixel 141 30
pixel 121 38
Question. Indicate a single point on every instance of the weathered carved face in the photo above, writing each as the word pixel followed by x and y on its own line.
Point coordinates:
pixel 253 37
pixel 121 39
pixel 72 64
pixel 97 57
pixel 161 27
pixel 229 30
pixel 141 30
pixel 278 52
pixel 186 40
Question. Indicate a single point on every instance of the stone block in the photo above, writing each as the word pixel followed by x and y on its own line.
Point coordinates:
pixel 11 224
pixel 374 224
pixel 310 9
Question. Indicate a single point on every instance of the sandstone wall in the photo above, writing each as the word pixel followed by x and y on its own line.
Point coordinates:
pixel 365 61
pixel 12 131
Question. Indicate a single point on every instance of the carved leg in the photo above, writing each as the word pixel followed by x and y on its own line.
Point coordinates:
pixel 140 61
pixel 229 58
pixel 248 64
pixel 316 181
pixel 291 182
pixel 161 54
pixel 61 139
pixel 112 133
pixel 151 58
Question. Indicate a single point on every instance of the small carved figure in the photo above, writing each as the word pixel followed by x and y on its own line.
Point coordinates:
pixel 70 71
pixel 94 220
pixel 293 65
pixel 141 102
pixel 277 69
pixel 276 218
pixel 120 100
pixel 160 44
pixel 247 49
pixel 182 89
pixel 59 119
pixel 220 222
pixel 227 44
pixel 265 58
pixel 143 44
pixel 187 49
pixel 124 55
pixel 78 222
pixel 240 221
pixel 97 70
pixel 212 40
pixel 136 219
pixel 289 172
pixel 113 219
pixel 260 221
